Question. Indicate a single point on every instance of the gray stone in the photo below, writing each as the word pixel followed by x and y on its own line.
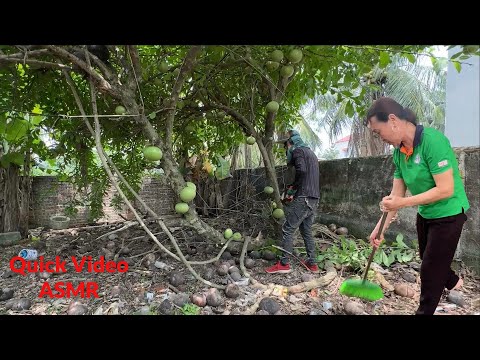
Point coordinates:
pixel 10 238
pixel 268 255
pixel 6 294
pixel 181 299
pixel 270 305
pixel 262 312
pixel 166 308
pixel 409 277
pixel 414 265
pixel 255 255
pixel 456 297
pixel 236 276
pixel 317 312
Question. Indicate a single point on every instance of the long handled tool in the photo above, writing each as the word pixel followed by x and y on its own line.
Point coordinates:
pixel 362 288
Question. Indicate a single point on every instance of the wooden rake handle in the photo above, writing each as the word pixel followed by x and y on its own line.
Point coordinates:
pixel 379 233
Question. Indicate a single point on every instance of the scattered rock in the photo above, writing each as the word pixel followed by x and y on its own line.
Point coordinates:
pixel 254 255
pixel 44 275
pixel 341 231
pixel 219 309
pixel 176 278
pixel 162 266
pixel 269 304
pixel 214 298
pixel 207 310
pixel 226 255
pixel 317 312
pixel 408 276
pixel 166 307
pixel 76 308
pixel 293 299
pixel 249 263
pixel 262 312
pixel 125 251
pixel 8 274
pixel 19 304
pixel 236 276
pixel 6 294
pixel 180 299
pixel 354 308
pixel 268 255
pixel 231 262
pixel 208 274
pixel 222 269
pixel 232 291
pixel 476 303
pixel 233 269
pixel 456 297
pixel 144 310
pixel 404 290
pixel 414 265
pixel 199 299
pixel 22 304
pixel 116 290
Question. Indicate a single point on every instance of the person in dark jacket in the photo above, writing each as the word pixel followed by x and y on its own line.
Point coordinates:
pixel 300 211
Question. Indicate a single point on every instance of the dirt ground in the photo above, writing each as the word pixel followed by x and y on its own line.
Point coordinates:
pixel 158 284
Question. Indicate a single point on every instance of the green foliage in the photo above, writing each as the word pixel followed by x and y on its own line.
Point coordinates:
pixel 330 153
pixel 37 105
pixel 355 253
pixel 190 309
pixel 222 170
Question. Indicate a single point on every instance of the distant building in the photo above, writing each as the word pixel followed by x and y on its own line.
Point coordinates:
pixel 342 146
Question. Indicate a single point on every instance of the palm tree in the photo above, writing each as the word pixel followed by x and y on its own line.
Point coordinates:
pixel 416 86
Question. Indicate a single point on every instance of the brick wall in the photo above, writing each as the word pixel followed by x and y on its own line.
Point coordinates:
pixel 50 197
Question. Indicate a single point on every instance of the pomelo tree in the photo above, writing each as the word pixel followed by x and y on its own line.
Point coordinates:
pixel 183 100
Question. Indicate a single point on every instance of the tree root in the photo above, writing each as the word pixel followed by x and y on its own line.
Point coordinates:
pixel 254 282
pixel 318 282
pixel 126 226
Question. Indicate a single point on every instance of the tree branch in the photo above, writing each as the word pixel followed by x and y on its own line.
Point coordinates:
pixel 137 67
pixel 36 63
pixel 186 67
pixel 104 85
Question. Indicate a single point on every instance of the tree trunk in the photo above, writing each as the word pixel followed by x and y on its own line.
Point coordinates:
pixel 248 156
pixel 13 201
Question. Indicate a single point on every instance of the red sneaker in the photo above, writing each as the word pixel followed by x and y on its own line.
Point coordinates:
pixel 313 268
pixel 279 268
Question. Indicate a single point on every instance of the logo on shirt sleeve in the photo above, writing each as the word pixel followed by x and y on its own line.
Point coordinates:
pixel 443 163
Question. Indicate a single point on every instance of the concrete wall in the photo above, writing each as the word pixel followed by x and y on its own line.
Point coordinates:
pixel 463 102
pixel 351 190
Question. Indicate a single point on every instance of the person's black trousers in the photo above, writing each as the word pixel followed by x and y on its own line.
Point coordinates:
pixel 437 241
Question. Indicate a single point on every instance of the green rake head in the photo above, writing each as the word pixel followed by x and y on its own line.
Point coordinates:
pixel 361 289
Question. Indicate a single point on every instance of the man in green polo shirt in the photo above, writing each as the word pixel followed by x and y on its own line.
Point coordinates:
pixel 425 164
